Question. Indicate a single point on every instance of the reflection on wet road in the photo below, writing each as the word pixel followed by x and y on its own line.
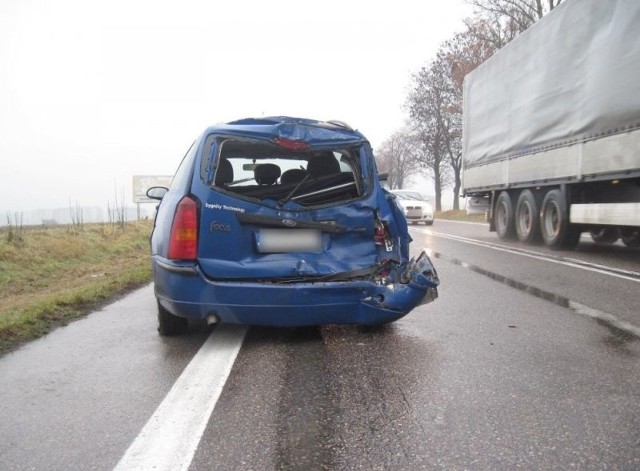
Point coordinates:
pixel 617 326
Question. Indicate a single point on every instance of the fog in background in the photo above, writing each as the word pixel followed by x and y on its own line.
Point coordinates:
pixel 92 93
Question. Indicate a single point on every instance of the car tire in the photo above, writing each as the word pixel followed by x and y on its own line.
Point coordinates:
pixel 527 218
pixel 557 231
pixel 504 217
pixel 168 324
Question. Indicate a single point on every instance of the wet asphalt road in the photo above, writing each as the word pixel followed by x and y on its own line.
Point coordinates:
pixel 499 373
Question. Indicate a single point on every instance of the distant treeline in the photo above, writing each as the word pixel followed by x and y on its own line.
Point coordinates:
pixel 52 217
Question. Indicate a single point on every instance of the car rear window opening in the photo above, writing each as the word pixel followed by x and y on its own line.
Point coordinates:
pixel 261 170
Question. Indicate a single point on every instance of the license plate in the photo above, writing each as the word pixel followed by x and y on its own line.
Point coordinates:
pixel 288 240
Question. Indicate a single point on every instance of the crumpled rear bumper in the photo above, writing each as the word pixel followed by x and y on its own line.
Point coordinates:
pixel 185 291
pixel 418 285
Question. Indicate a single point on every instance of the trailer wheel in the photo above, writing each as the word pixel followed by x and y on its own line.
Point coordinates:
pixel 527 218
pixel 630 236
pixel 504 219
pixel 556 230
pixel 604 235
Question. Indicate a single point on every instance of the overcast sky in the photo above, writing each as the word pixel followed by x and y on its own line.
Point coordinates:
pixel 92 93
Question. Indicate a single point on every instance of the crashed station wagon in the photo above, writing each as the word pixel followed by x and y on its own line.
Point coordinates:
pixel 282 222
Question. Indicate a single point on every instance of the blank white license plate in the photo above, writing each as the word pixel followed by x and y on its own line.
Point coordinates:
pixel 288 240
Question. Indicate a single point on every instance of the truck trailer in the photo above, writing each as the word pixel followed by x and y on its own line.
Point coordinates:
pixel 551 128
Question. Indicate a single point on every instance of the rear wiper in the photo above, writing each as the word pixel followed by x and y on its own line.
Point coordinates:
pixel 287 198
pixel 243 180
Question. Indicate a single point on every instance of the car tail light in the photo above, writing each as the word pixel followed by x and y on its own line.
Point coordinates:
pixel 382 235
pixel 183 244
pixel 291 144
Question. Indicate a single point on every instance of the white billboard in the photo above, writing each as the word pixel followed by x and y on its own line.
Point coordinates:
pixel 141 183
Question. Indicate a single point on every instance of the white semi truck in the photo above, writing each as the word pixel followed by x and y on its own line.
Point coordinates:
pixel 551 127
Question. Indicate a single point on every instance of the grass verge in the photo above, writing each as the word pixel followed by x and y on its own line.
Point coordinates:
pixel 50 276
pixel 460 215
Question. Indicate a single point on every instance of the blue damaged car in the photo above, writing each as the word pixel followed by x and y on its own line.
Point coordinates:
pixel 282 222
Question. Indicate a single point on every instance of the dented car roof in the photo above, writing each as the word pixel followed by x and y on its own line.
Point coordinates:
pixel 310 131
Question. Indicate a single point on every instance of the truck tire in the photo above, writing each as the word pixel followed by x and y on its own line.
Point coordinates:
pixel 527 218
pixel 557 232
pixel 630 236
pixel 604 235
pixel 504 218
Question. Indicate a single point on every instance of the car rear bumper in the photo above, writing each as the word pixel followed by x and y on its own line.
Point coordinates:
pixel 185 291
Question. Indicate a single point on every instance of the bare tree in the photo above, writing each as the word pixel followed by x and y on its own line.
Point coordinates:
pixel 424 103
pixel 435 107
pixel 76 213
pixel 15 234
pixel 522 12
pixel 118 214
pixel 432 158
pixel 455 59
pixel 499 21
pixel 398 156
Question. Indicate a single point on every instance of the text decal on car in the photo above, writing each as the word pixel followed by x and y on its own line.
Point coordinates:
pixel 215 226
pixel 224 207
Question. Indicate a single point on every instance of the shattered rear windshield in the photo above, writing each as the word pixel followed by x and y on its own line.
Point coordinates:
pixel 260 170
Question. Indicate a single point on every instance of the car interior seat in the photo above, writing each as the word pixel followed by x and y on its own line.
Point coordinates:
pixel 224 173
pixel 293 175
pixel 267 174
pixel 324 164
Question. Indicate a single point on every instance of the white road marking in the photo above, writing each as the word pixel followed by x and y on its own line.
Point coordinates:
pixel 170 438
pixel 623 274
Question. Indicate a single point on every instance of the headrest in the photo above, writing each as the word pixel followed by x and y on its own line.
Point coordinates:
pixel 266 174
pixel 293 175
pixel 323 164
pixel 224 173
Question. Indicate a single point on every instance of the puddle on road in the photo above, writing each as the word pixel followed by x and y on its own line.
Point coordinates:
pixel 622 331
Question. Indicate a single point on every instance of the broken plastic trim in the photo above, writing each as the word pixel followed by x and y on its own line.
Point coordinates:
pixel 421 274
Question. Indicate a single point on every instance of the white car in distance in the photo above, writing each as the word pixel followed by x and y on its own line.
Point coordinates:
pixel 415 206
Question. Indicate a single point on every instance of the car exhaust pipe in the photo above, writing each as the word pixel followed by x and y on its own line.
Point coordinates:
pixel 212 319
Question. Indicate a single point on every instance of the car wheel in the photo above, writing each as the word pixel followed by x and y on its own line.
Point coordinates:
pixel 630 236
pixel 556 230
pixel 604 235
pixel 527 218
pixel 504 217
pixel 168 324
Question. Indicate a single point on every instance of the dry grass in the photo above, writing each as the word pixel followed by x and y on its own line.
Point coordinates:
pixel 52 275
pixel 460 215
